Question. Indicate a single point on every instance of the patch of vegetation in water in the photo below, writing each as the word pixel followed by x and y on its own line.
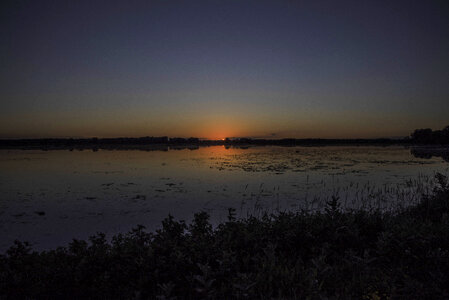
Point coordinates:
pixel 333 254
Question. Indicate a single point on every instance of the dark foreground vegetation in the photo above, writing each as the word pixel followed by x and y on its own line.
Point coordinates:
pixel 327 255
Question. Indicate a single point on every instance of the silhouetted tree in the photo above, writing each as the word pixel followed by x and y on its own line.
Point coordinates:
pixel 427 136
pixel 422 135
pixel 445 135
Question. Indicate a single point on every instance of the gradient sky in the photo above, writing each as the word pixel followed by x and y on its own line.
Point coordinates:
pixel 214 69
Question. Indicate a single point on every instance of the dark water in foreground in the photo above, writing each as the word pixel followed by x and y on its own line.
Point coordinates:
pixel 50 197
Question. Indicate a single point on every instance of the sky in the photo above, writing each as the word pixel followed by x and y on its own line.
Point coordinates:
pixel 223 68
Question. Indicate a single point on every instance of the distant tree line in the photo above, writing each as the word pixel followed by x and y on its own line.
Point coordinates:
pixel 419 136
pixel 429 136
pixel 101 143
pixel 176 142
pixel 310 142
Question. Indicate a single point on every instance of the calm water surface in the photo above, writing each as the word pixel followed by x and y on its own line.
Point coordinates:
pixel 50 197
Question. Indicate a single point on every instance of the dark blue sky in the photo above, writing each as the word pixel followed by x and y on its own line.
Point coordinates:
pixel 223 68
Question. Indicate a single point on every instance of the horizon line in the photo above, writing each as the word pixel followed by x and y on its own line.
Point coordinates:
pixel 197 138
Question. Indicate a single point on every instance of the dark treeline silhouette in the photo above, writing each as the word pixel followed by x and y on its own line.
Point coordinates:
pixel 419 136
pixel 312 142
pixel 144 143
pixel 161 143
pixel 429 136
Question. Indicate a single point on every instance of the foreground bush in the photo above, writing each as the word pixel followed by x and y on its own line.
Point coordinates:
pixel 333 254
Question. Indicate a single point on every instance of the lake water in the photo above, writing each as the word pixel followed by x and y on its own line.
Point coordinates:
pixel 50 197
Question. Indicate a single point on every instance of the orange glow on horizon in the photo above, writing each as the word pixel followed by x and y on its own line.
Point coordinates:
pixel 212 126
pixel 220 130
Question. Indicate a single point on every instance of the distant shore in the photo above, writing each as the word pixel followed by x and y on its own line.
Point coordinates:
pixel 161 143
pixel 420 137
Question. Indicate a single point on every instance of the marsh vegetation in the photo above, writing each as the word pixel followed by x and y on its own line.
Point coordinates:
pixel 331 254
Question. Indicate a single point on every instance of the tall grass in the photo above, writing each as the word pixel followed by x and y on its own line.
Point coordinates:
pixel 313 196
